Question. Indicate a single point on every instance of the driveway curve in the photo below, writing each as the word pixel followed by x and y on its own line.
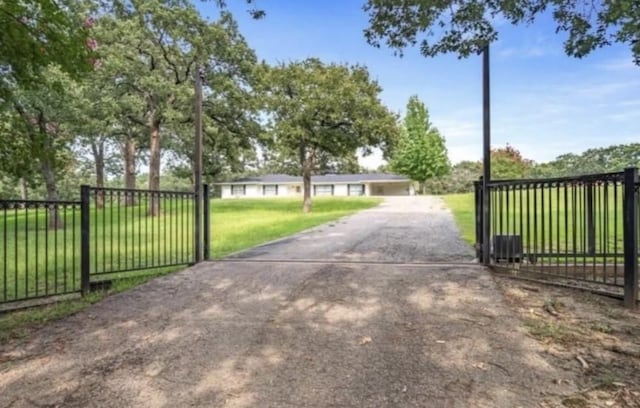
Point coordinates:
pixel 356 317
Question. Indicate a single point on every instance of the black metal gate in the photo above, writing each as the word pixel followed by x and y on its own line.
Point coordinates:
pixel 576 229
pixel 53 248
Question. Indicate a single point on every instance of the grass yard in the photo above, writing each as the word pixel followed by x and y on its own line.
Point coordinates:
pixel 126 238
pixel 243 223
pixel 461 205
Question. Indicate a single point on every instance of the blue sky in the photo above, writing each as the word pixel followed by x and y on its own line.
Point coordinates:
pixel 543 102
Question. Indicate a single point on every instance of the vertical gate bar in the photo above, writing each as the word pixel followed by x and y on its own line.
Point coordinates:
pixel 166 204
pixel 566 228
pixel 630 238
pixel 605 228
pixel 84 238
pixel 64 246
pixel 591 232
pixel 26 252
pixel 37 255
pixel 5 256
pixel 207 222
pixel 615 232
pixel 55 246
pixel 528 202
pixel 574 224
pixel 551 217
pixel 111 229
pixel 56 209
pixel 542 225
pixel 150 239
pixel 478 218
pixel 512 247
pixel 103 213
pixel 128 203
pixel 535 220
pixel 520 225
pixel 15 260
pixel 46 245
pixel 73 246
pixel 558 207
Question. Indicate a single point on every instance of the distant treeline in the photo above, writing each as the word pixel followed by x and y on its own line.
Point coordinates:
pixel 508 163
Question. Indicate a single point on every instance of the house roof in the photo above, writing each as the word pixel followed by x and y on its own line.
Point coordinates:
pixel 327 178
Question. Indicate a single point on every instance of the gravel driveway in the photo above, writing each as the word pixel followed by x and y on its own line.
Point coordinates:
pixel 304 333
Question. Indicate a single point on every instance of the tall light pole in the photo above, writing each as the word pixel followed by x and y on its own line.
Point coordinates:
pixel 486 155
pixel 197 166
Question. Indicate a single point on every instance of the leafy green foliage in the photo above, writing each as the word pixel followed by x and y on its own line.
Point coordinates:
pixel 421 153
pixel 324 112
pixel 459 180
pixel 465 27
pixel 37 34
pixel 508 163
pixel 598 160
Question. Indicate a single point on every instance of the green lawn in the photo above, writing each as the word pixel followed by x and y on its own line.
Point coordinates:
pixel 240 224
pixel 124 237
pixel 462 207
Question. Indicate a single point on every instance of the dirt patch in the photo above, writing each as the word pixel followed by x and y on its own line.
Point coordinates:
pixel 593 336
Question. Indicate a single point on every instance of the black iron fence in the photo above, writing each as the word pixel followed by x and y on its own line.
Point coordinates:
pixel 580 229
pixel 39 249
pixel 51 248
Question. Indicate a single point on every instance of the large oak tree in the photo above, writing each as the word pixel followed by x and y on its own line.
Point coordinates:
pixel 317 109
pixel 465 27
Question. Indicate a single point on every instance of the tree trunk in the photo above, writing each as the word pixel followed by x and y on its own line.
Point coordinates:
pixel 306 183
pixel 24 193
pixel 55 222
pixel 307 163
pixel 129 153
pixel 154 166
pixel 97 148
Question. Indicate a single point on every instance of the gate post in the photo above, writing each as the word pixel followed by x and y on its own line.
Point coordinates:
pixel 478 209
pixel 207 222
pixel 630 229
pixel 85 218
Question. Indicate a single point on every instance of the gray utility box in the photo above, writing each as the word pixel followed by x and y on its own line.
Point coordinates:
pixel 507 248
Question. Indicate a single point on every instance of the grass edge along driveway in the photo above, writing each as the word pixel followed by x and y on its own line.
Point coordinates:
pixel 462 207
pixel 236 224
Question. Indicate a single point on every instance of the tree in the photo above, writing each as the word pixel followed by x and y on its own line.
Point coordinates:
pixel 320 109
pixel 421 153
pixel 592 161
pixel 507 163
pixel 152 50
pixel 465 27
pixel 38 135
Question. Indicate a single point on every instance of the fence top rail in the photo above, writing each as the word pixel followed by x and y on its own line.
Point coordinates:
pixel 617 176
pixel 4 203
pixel 134 190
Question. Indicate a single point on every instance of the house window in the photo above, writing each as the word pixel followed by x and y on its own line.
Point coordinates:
pixel 356 189
pixel 323 189
pixel 298 189
pixel 270 190
pixel 238 190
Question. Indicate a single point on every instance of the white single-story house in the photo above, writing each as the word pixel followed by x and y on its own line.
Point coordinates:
pixel 282 185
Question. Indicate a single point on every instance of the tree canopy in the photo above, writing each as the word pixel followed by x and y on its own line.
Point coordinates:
pixel 324 111
pixel 465 27
pixel 39 33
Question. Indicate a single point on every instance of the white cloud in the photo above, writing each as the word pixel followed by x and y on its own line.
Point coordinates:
pixel 618 65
